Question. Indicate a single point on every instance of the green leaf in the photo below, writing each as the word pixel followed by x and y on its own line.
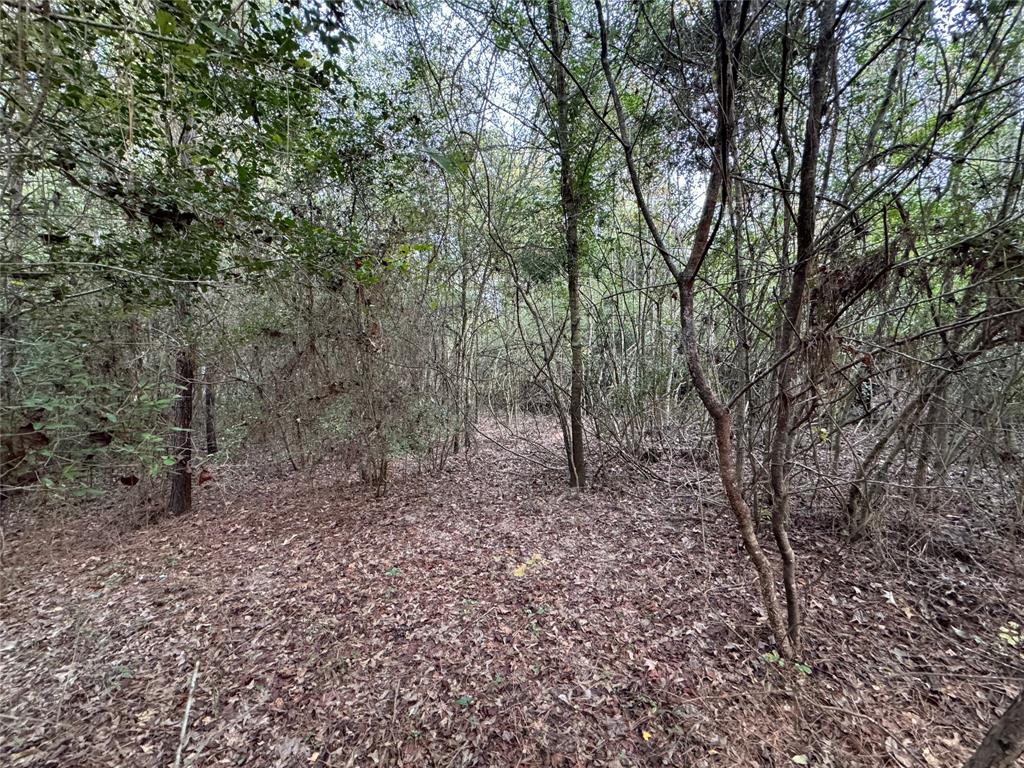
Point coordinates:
pixel 464 701
pixel 246 174
pixel 165 22
pixel 799 759
pixel 449 162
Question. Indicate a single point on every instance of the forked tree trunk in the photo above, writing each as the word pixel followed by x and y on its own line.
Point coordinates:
pixel 1003 745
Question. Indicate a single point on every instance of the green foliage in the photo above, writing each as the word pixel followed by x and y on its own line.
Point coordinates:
pixel 88 422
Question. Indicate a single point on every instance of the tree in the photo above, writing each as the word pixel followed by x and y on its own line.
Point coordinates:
pixel 571 213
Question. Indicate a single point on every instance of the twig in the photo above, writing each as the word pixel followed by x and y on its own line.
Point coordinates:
pixel 873 721
pixel 184 721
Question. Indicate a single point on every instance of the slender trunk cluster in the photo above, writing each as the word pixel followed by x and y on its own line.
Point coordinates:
pixel 12 247
pixel 730 22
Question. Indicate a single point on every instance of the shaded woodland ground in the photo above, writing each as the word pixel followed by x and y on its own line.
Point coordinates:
pixel 491 617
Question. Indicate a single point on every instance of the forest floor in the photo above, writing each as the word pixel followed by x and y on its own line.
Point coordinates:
pixel 488 617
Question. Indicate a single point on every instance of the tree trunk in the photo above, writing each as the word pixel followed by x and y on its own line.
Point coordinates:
pixel 926 453
pixel 9 327
pixel 12 248
pixel 742 337
pixel 210 416
pixel 179 501
pixel 1004 742
pixel 728 53
pixel 790 321
pixel 571 215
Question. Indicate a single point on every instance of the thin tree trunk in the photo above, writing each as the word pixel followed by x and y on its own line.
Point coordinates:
pixel 10 326
pixel 1003 745
pixel 780 448
pixel 179 501
pixel 209 398
pixel 742 337
pixel 571 214
pixel 729 51
pixel 12 248
pixel 926 451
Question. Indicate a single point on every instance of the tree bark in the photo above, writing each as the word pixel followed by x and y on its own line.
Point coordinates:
pixel 1003 745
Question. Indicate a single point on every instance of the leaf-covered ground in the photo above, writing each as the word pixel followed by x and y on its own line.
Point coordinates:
pixel 489 617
